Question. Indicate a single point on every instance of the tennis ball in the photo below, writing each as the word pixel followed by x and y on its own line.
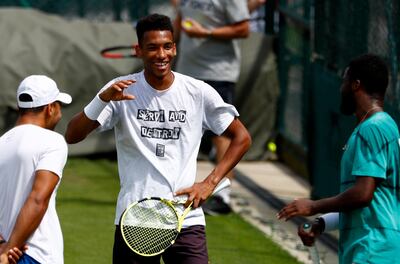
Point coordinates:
pixel 272 146
pixel 187 24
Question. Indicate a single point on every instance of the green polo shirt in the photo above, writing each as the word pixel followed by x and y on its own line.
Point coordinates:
pixel 372 234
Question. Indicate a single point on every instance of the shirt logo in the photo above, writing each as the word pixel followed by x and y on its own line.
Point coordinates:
pixel 160 150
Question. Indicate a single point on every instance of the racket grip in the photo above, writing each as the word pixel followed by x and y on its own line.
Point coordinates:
pixel 222 185
pixel 311 249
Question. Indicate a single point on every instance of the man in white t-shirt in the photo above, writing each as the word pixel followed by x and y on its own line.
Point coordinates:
pixel 159 117
pixel 31 165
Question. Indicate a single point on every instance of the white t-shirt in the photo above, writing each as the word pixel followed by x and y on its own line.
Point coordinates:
pixel 158 137
pixel 24 150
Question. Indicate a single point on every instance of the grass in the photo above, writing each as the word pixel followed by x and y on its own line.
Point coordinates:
pixel 86 207
pixel 234 241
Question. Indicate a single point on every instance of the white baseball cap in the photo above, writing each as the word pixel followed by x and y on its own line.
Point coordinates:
pixel 43 91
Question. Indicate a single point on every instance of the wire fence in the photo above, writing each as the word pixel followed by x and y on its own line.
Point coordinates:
pixel 345 29
pixel 317 39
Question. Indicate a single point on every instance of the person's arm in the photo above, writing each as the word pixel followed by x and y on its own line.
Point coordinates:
pixel 177 27
pixel 321 224
pixel 33 210
pixel 175 3
pixel 357 196
pixel 231 31
pixel 83 123
pixel 12 255
pixel 240 143
pixel 3 254
pixel 255 4
pixel 4 258
pixel 79 127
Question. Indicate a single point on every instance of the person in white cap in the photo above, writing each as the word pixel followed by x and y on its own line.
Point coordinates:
pixel 31 164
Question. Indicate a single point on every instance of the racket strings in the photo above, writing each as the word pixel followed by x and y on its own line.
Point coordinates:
pixel 150 226
pixel 149 241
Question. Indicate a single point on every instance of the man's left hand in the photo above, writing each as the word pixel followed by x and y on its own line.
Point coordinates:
pixel 303 207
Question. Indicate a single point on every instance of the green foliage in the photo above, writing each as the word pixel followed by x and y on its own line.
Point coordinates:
pixel 86 207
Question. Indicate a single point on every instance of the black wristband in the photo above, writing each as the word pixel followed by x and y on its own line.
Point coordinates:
pixel 2 241
pixel 320 222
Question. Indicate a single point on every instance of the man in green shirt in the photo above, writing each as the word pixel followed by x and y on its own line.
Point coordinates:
pixel 367 209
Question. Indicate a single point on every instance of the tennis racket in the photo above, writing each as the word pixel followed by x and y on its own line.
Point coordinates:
pixel 312 249
pixel 151 225
pixel 119 52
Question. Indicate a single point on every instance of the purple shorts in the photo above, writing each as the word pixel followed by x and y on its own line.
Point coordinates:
pixel 189 248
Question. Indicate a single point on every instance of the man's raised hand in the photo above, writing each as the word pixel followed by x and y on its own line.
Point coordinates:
pixel 116 91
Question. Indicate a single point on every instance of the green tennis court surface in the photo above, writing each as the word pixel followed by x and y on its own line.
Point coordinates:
pixel 86 202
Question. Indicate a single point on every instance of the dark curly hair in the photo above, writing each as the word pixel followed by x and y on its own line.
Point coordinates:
pixel 153 22
pixel 372 72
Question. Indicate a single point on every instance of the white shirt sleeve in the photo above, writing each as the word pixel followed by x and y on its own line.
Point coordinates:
pixel 55 156
pixel 218 115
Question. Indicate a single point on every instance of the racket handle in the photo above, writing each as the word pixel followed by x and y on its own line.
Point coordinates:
pixel 225 183
pixel 311 249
